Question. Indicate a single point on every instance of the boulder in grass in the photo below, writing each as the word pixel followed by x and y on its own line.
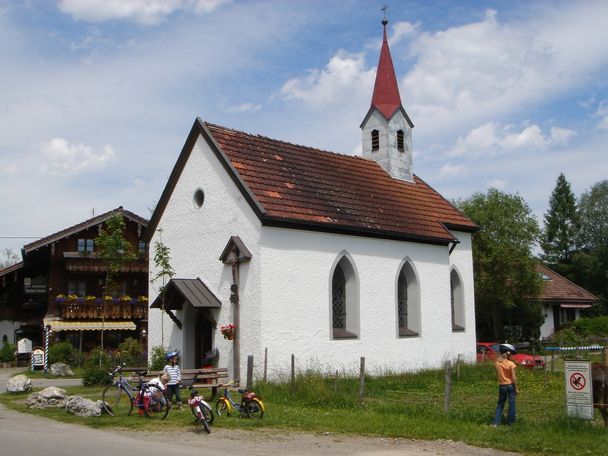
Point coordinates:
pixel 81 406
pixel 51 397
pixel 61 370
pixel 18 384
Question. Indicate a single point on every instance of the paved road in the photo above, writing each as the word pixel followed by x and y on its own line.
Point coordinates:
pixel 22 434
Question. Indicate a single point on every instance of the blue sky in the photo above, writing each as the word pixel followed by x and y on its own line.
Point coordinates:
pixel 98 96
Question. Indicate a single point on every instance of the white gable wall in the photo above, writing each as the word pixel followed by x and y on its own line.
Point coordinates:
pixel 197 237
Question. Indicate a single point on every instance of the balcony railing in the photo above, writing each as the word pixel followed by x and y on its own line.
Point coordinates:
pixel 117 309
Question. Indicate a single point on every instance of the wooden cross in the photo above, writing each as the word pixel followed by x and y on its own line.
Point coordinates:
pixel 383 9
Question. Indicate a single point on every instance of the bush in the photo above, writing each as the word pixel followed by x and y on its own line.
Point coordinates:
pixel 130 352
pixel 7 353
pixel 61 352
pixel 592 327
pixel 157 359
pixel 94 374
pixel 565 337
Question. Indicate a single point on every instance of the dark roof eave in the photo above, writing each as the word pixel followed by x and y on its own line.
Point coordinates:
pixel 465 228
pixel 277 222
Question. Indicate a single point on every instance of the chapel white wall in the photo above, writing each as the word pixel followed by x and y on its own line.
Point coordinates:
pixel 296 283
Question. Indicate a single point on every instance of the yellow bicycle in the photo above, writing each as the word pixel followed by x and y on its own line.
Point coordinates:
pixel 250 406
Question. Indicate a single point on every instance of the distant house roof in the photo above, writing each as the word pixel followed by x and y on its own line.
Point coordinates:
pixel 294 186
pixel 83 226
pixel 561 290
pixel 11 268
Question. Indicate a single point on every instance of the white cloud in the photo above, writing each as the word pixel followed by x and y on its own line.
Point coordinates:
pixel 494 138
pixel 497 183
pixel 453 170
pixel 146 12
pixel 60 157
pixel 343 78
pixel 602 114
pixel 244 107
pixel 481 70
pixel 403 30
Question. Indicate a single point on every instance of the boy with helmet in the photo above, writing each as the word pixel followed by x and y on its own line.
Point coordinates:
pixel 175 375
pixel 507 389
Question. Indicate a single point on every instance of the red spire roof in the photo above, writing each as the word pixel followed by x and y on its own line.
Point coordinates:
pixel 386 98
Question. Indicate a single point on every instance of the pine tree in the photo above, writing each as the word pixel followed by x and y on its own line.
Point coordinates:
pixel 558 237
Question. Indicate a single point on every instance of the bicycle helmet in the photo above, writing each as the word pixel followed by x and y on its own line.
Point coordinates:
pixel 504 348
pixel 171 354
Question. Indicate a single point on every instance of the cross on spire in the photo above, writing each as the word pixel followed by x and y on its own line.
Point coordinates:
pixel 384 19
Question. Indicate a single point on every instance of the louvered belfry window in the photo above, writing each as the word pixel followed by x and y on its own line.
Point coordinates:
pixel 338 291
pixel 400 143
pixel 375 140
pixel 402 300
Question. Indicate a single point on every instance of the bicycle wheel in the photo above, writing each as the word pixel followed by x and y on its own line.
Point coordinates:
pixel 206 411
pixel 156 406
pixel 222 408
pixel 116 401
pixel 254 409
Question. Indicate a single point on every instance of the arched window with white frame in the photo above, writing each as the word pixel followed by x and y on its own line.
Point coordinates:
pixel 344 300
pixel 408 301
pixel 457 301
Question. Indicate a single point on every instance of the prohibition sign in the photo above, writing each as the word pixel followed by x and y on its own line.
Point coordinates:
pixel 577 381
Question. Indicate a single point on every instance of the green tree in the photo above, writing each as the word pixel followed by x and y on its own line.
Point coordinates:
pixel 164 272
pixel 113 249
pixel 561 226
pixel 506 281
pixel 590 263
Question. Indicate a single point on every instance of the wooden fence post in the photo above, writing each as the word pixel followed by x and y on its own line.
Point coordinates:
pixel 336 383
pixel 552 360
pixel 249 385
pixel 458 367
pixel 265 365
pixel 362 379
pixel 605 357
pixel 293 373
pixel 448 387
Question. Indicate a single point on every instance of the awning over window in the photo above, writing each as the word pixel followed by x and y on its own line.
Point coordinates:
pixel 575 306
pixel 180 291
pixel 91 326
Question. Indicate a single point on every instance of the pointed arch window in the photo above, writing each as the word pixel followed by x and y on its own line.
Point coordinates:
pixel 375 140
pixel 457 301
pixel 344 301
pixel 408 302
pixel 400 141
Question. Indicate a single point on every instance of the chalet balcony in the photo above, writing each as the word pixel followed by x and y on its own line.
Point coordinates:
pixel 89 262
pixel 96 308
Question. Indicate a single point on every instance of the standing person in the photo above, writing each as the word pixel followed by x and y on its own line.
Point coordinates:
pixel 505 371
pixel 175 375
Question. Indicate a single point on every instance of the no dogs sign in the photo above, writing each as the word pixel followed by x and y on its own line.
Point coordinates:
pixel 579 396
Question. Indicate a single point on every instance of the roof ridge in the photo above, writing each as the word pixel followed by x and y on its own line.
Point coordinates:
pixel 281 141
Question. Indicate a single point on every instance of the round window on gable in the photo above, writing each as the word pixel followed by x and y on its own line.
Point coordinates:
pixel 199 198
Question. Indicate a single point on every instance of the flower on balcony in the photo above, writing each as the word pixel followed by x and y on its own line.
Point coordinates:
pixel 60 298
pixel 126 298
pixel 72 297
pixel 108 298
pixel 228 331
pixel 142 299
pixel 89 298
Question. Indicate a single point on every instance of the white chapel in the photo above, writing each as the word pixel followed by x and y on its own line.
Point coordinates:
pixel 310 253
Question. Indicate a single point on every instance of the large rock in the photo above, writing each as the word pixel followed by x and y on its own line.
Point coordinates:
pixel 51 397
pixel 18 384
pixel 61 370
pixel 83 407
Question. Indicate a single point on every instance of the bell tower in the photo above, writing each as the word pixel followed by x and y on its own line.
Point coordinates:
pixel 387 129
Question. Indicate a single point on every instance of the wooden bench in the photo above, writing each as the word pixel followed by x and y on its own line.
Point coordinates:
pixel 204 377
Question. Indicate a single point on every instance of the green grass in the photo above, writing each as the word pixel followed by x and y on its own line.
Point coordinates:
pixel 407 406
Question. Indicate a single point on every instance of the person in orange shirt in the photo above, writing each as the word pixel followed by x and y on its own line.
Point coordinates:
pixel 507 380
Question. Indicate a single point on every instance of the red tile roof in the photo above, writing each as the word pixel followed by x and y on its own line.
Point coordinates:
pixel 300 185
pixel 558 288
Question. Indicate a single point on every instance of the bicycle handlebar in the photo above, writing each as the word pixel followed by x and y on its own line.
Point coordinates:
pixel 233 382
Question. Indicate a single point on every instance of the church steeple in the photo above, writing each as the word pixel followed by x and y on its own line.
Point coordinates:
pixel 387 129
pixel 386 98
